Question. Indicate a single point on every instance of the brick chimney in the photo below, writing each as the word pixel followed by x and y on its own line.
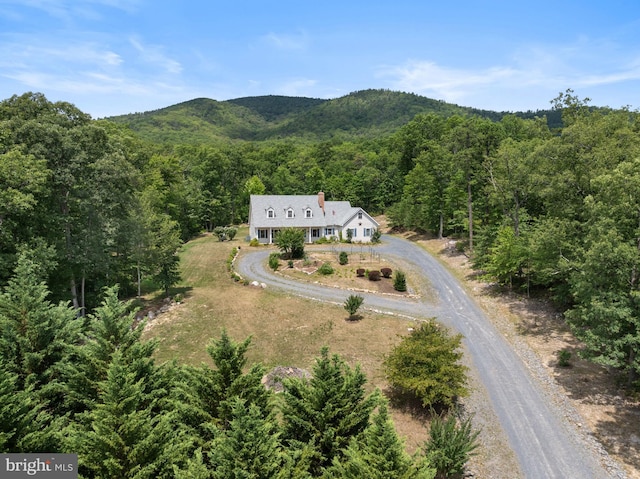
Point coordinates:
pixel 321 201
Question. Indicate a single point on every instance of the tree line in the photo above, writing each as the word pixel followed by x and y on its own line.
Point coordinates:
pixel 538 210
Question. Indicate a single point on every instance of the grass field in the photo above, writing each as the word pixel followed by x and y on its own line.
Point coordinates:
pixel 285 330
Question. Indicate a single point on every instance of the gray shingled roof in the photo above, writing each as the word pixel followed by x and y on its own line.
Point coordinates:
pixel 336 213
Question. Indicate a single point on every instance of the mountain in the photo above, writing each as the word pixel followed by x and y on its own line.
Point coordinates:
pixel 362 114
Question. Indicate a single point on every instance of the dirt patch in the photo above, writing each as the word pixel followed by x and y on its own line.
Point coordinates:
pixel 603 409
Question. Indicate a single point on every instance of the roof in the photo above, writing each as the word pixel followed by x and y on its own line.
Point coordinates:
pixel 336 213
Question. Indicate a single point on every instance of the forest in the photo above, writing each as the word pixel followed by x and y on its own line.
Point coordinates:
pixel 95 211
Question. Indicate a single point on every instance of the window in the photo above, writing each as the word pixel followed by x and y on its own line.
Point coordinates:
pixel 290 213
pixel 329 231
pixel 367 232
pixel 263 234
pixel 359 215
pixel 271 213
pixel 315 232
pixel 308 213
pixel 355 232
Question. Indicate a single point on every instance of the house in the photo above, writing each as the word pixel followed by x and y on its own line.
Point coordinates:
pixel 268 214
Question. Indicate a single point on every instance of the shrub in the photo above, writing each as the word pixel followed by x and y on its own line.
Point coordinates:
pixel 352 304
pixel 375 236
pixel 290 263
pixel 274 261
pixel 360 272
pixel 325 269
pixel 426 365
pixel 230 232
pixel 400 282
pixel 563 358
pixel 450 445
pixel 386 272
pixel 254 242
pixel 374 275
pixel 219 231
pixel 343 258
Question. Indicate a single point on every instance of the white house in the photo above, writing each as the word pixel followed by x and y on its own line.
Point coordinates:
pixel 268 214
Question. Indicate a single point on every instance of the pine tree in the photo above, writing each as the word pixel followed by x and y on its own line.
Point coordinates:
pixel 111 327
pixel 24 422
pixel 122 436
pixel 379 454
pixel 325 412
pixel 35 335
pixel 250 447
pixel 219 387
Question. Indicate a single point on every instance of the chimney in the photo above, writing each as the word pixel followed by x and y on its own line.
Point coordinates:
pixel 321 201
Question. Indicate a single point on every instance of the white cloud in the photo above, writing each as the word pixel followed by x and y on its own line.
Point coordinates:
pixel 533 73
pixel 153 54
pixel 296 87
pixel 298 41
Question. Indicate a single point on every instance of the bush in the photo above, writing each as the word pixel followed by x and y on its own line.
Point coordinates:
pixel 274 261
pixel 219 231
pixel 343 258
pixel 374 275
pixel 360 272
pixel 426 365
pixel 352 304
pixel 254 242
pixel 400 282
pixel 290 263
pixel 375 236
pixel 563 358
pixel 325 269
pixel 450 445
pixel 230 232
pixel 386 272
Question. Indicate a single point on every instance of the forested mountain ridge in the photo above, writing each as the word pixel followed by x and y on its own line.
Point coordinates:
pixel 361 114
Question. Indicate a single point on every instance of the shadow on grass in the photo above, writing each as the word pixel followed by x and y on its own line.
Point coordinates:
pixel 412 406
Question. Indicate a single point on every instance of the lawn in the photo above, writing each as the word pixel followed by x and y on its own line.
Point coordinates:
pixel 285 330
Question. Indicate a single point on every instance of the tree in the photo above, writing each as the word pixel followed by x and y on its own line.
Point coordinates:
pixel 400 281
pixel 291 242
pixel 122 436
pixel 250 447
pixel 425 365
pixel 324 413
pixel 218 388
pixel 379 454
pixel 36 336
pixel 352 304
pixel 450 445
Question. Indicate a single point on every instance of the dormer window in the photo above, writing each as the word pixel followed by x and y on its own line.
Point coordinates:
pixel 308 213
pixel 290 213
pixel 271 213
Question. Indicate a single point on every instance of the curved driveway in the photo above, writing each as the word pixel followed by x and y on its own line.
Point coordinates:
pixel 542 440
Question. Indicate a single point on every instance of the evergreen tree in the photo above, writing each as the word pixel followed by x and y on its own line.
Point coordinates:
pixel 325 412
pixel 111 328
pixel 250 447
pixel 220 387
pixel 122 436
pixel 36 336
pixel 24 422
pixel 379 454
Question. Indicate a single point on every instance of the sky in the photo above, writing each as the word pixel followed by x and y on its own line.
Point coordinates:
pixel 111 57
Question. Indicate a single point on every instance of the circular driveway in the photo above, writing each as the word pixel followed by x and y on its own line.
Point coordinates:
pixel 546 445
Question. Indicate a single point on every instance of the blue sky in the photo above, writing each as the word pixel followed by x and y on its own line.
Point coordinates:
pixel 112 57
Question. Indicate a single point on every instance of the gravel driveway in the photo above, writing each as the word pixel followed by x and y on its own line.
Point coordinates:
pixel 544 442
